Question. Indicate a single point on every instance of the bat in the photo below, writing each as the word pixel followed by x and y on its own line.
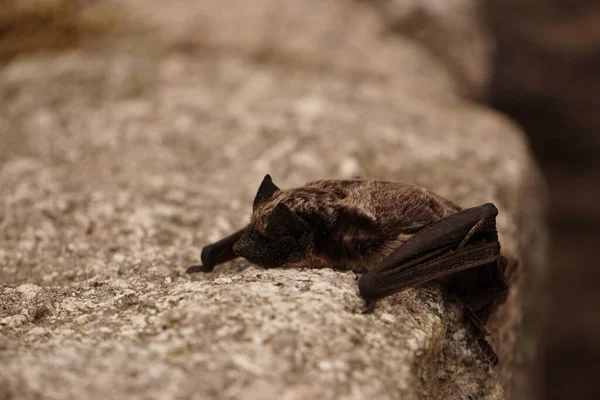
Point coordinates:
pixel 394 236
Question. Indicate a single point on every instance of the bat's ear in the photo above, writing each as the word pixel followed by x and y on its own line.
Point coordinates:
pixel 266 190
pixel 284 222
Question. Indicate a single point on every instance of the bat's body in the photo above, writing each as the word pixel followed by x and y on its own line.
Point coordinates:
pixel 354 224
pixel 398 235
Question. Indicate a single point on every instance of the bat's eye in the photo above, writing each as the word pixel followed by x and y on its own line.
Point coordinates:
pixel 283 241
pixel 284 222
pixel 266 252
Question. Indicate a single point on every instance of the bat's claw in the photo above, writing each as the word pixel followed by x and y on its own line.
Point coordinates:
pixel 475 320
pixel 370 307
pixel 488 352
pixel 198 268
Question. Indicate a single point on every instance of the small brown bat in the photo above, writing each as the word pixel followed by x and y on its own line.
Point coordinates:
pixel 395 235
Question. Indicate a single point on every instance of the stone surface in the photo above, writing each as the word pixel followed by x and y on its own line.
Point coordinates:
pixel 120 164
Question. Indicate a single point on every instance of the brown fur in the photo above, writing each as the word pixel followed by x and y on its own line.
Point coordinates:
pixel 355 223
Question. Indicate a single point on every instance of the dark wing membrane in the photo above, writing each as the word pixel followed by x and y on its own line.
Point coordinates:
pixel 438 250
pixel 217 253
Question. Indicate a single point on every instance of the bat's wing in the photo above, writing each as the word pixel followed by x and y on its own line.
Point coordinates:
pixel 217 253
pixel 462 241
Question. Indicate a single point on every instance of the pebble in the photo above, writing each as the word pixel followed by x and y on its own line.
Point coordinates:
pixel 29 290
pixel 37 331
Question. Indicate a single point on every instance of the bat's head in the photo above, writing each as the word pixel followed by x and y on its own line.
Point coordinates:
pixel 277 235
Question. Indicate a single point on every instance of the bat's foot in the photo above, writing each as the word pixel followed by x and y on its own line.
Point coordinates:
pixel 488 351
pixel 198 268
pixel 370 307
pixel 510 266
pixel 357 275
pixel 476 321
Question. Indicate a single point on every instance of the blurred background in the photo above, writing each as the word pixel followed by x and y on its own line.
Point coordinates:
pixel 538 61
pixel 546 76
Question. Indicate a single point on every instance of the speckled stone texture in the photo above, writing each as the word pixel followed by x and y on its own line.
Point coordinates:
pixel 118 165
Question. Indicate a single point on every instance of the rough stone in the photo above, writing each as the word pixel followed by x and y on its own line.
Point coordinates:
pixel 134 158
